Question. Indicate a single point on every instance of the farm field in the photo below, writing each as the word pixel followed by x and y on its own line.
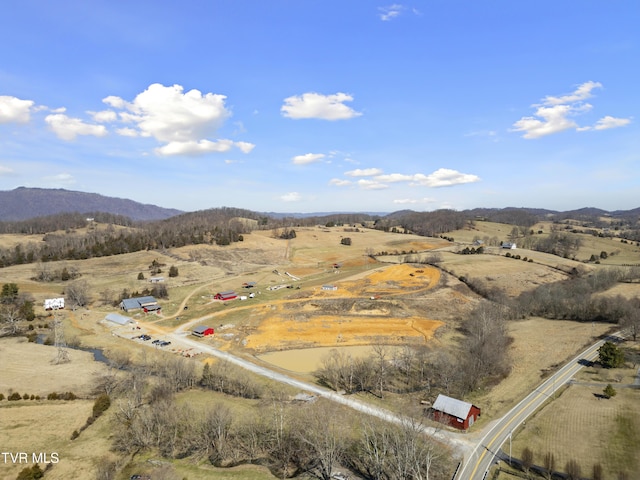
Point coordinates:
pixel 35 426
pixel 45 427
pixel 28 368
pixel 582 427
pixel 539 346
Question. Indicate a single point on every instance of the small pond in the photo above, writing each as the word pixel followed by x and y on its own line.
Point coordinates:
pixel 307 360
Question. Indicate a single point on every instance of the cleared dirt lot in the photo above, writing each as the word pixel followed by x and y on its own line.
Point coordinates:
pixel 335 318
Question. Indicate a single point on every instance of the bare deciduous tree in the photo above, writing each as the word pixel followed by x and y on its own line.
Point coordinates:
pixel 9 318
pixel 485 344
pixel 323 431
pixel 549 462
pixel 527 459
pixel 78 293
pixel 573 470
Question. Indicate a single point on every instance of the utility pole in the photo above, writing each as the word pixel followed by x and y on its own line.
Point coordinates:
pixel 60 343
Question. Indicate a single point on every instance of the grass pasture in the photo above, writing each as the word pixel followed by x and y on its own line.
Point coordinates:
pixel 580 426
pixel 507 274
pixel 539 346
pixel 35 426
pixel 27 368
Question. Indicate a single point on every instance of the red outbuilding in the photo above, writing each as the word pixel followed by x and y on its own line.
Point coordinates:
pixel 455 413
pixel 230 295
pixel 202 331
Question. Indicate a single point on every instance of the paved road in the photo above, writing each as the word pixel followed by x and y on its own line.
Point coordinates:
pixel 477 464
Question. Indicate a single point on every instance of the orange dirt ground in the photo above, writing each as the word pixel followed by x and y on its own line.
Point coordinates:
pixel 279 329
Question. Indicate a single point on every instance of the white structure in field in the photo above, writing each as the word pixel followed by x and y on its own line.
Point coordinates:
pixel 53 303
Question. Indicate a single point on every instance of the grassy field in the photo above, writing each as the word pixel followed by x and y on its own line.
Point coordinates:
pixel 539 346
pixel 27 368
pixel 582 427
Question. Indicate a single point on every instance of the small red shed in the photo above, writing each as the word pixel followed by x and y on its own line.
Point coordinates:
pixel 202 331
pixel 454 412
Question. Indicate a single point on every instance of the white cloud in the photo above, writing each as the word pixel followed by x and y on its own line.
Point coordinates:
pixel 201 147
pixel 5 171
pixel 390 12
pixel 61 179
pixel 608 122
pixel 554 120
pixel 127 132
pixel 553 114
pixel 182 121
pixel 115 102
pixel 363 172
pixel 291 197
pixel 104 116
pixel 394 177
pixel 14 110
pixel 413 201
pixel 444 177
pixel 307 158
pixel 371 185
pixel 315 105
pixel 579 94
pixel 68 128
pixel 245 147
pixel 338 182
pixel 194 147
pixel 169 115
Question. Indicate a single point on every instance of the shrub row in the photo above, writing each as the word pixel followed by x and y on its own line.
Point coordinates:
pixel 52 396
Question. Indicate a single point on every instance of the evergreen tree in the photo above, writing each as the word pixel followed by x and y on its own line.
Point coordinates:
pixel 609 391
pixel 610 355
pixel 9 293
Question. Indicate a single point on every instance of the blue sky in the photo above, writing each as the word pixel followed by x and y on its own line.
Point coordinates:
pixel 323 105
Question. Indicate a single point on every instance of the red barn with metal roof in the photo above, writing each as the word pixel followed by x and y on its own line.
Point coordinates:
pixel 224 296
pixel 455 413
pixel 202 331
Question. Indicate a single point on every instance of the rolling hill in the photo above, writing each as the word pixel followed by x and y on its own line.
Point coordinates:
pixel 24 203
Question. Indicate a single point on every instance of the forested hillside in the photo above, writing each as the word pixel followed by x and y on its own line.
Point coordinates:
pixel 24 203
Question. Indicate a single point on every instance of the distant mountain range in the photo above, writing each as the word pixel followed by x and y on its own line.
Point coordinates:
pixel 24 203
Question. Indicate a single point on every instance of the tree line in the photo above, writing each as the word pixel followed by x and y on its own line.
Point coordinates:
pixel 62 222
pixel 218 226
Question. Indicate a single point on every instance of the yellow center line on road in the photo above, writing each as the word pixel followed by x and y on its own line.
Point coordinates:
pixel 574 368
